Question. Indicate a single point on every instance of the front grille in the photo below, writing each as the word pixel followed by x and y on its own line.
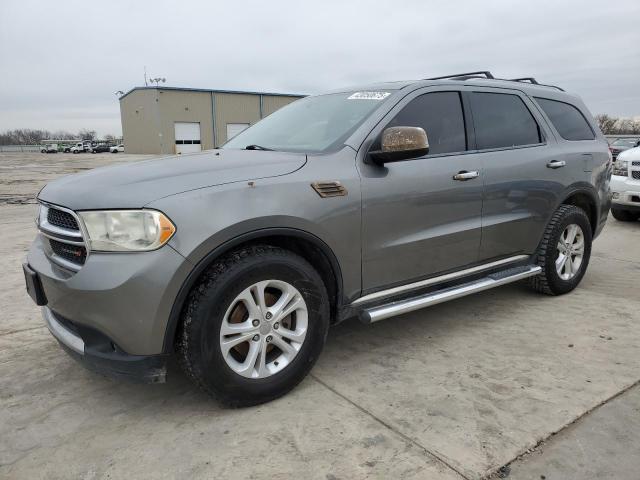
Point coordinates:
pixel 62 219
pixel 635 164
pixel 72 253
pixel 635 174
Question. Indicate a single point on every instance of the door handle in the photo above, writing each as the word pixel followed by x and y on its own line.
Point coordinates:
pixel 465 175
pixel 556 164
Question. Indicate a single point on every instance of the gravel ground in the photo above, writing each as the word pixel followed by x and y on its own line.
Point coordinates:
pixel 455 391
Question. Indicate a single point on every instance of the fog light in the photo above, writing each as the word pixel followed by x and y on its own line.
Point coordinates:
pixel 615 195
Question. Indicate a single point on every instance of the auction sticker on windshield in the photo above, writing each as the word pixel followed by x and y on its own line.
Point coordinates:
pixel 369 96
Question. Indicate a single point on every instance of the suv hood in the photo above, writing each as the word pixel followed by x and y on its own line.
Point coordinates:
pixel 136 184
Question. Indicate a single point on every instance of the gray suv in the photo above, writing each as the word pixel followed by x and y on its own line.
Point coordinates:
pixel 368 202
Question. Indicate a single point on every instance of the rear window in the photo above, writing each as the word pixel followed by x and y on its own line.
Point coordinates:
pixel 568 120
pixel 502 120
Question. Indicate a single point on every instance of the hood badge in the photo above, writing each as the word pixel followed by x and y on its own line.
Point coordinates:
pixel 329 189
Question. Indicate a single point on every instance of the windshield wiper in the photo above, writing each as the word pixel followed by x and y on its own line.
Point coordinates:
pixel 257 147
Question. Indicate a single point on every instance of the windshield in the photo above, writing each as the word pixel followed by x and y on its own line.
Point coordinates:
pixel 311 124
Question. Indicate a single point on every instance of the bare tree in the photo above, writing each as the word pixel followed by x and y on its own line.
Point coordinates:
pixel 618 126
pixel 63 135
pixel 86 134
pixel 628 126
pixel 606 123
pixel 23 136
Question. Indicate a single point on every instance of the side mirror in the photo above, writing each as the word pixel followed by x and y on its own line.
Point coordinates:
pixel 401 143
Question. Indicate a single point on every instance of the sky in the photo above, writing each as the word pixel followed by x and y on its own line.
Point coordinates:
pixel 62 61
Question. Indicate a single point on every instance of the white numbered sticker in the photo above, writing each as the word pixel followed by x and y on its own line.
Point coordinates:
pixel 369 96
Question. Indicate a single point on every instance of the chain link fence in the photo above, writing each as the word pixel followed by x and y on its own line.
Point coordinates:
pixel 20 148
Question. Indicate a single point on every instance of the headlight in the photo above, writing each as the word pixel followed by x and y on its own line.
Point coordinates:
pixel 127 230
pixel 621 167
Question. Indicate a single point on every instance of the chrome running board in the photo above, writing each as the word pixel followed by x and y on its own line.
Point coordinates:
pixel 439 279
pixel 381 312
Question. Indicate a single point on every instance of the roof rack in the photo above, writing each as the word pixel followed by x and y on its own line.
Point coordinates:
pixel 489 76
pixel 464 76
pixel 534 82
pixel 525 79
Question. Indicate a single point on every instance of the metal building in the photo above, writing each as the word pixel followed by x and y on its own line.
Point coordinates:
pixel 169 120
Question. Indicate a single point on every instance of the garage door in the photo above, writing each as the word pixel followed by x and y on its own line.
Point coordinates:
pixel 235 128
pixel 187 137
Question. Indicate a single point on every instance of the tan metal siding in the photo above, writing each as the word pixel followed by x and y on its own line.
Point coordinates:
pixel 184 106
pixel 272 103
pixel 235 108
pixel 148 115
pixel 139 116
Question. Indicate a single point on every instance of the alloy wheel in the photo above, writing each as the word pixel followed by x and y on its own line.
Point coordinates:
pixel 263 329
pixel 570 252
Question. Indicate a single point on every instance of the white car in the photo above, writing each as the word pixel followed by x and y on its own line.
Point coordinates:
pixel 625 186
pixel 117 148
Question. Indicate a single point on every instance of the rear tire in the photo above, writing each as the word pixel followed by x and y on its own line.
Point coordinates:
pixel 624 215
pixel 564 251
pixel 229 374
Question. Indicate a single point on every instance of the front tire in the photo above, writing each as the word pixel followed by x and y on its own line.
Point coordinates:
pixel 254 325
pixel 564 251
pixel 624 215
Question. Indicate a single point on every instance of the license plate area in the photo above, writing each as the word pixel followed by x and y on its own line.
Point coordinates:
pixel 34 286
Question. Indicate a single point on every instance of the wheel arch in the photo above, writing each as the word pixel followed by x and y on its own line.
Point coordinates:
pixel 584 197
pixel 303 243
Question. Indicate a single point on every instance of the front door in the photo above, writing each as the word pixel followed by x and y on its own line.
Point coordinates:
pixel 417 220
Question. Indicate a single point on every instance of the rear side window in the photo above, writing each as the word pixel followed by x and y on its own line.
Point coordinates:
pixel 440 114
pixel 502 120
pixel 568 120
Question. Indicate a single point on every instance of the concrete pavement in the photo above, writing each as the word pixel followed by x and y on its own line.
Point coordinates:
pixel 454 391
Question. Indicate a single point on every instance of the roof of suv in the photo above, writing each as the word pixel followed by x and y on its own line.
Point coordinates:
pixel 529 84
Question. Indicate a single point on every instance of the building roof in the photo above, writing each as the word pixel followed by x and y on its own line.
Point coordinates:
pixel 209 90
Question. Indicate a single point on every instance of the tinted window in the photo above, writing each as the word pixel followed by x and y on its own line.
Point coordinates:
pixel 568 120
pixel 440 114
pixel 502 120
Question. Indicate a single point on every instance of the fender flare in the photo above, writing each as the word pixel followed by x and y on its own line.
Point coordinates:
pixel 588 190
pixel 203 263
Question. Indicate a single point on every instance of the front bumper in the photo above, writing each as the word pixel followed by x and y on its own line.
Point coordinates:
pixel 98 354
pixel 625 192
pixel 125 297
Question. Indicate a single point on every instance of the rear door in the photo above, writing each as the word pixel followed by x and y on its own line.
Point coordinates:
pixel 521 182
pixel 417 220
